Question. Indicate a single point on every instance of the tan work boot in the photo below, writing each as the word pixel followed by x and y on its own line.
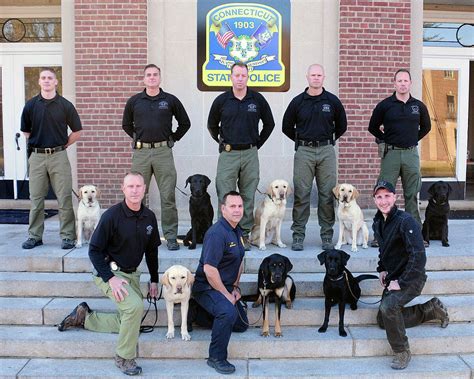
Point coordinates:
pixel 401 360
pixel 440 312
pixel 127 366
pixel 76 318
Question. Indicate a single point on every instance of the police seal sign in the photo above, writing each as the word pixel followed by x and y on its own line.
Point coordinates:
pixel 254 33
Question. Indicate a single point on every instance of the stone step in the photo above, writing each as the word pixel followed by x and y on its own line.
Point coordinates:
pixel 421 366
pixel 79 285
pixel 305 312
pixel 47 259
pixel 297 342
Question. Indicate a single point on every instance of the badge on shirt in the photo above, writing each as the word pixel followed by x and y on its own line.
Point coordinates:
pixel 163 105
pixel 232 244
pixel 149 229
pixel 326 108
pixel 415 109
pixel 252 108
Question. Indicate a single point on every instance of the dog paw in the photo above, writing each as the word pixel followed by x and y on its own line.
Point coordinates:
pixel 170 335
pixel 281 244
pixel 192 247
pixel 265 333
pixel 445 244
pixel 322 329
pixel 365 246
pixel 278 334
pixel 262 247
pixel 342 333
pixel 338 246
pixel 78 245
pixel 354 249
pixel 185 337
pixel 288 305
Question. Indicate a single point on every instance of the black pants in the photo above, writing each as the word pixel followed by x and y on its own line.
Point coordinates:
pixel 223 317
pixel 394 317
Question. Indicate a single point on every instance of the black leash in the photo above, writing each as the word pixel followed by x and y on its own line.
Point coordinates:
pixel 355 298
pixel 184 193
pixel 246 307
pixel 150 300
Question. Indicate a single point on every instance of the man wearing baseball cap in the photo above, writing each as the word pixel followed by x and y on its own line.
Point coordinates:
pixel 401 270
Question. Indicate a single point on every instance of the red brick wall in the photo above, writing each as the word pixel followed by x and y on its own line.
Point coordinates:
pixel 374 41
pixel 111 51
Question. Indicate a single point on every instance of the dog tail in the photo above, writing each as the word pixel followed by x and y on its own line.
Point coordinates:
pixel 360 278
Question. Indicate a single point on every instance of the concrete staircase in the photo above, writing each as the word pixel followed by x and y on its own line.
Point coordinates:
pixel 39 287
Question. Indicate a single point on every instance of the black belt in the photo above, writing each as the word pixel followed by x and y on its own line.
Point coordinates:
pixel 128 270
pixel 47 150
pixel 393 147
pixel 326 142
pixel 149 145
pixel 228 147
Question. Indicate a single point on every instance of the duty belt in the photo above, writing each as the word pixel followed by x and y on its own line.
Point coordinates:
pixel 115 267
pixel 149 145
pixel 326 142
pixel 393 147
pixel 228 147
pixel 48 150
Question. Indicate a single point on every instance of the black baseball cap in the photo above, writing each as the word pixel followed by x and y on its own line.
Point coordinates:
pixel 383 184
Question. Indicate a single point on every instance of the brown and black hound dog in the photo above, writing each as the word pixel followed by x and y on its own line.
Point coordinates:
pixel 274 283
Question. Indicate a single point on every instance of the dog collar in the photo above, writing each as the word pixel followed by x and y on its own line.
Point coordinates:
pixel 337 279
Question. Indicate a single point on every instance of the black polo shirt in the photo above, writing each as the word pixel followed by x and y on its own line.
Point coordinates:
pixel 223 249
pixel 239 119
pixel 125 235
pixel 315 118
pixel 151 117
pixel 404 124
pixel 47 121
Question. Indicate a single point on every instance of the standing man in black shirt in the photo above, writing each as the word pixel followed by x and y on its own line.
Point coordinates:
pixel 233 124
pixel 44 123
pixel 147 118
pixel 400 121
pixel 314 120
pixel 125 233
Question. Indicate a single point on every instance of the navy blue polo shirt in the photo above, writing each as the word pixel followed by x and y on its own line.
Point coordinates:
pixel 125 236
pixel 47 121
pixel 315 118
pixel 404 124
pixel 151 117
pixel 239 119
pixel 223 249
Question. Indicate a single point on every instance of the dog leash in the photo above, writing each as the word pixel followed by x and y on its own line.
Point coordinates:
pixel 150 300
pixel 246 307
pixel 184 193
pixel 355 298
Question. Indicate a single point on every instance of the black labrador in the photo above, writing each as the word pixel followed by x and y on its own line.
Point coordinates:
pixel 435 226
pixel 274 284
pixel 339 286
pixel 200 209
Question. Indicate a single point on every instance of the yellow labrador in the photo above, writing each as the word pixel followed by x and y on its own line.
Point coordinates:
pixel 269 215
pixel 177 282
pixel 88 213
pixel 352 227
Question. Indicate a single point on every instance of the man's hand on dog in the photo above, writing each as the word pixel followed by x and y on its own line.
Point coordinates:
pixel 118 290
pixel 382 276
